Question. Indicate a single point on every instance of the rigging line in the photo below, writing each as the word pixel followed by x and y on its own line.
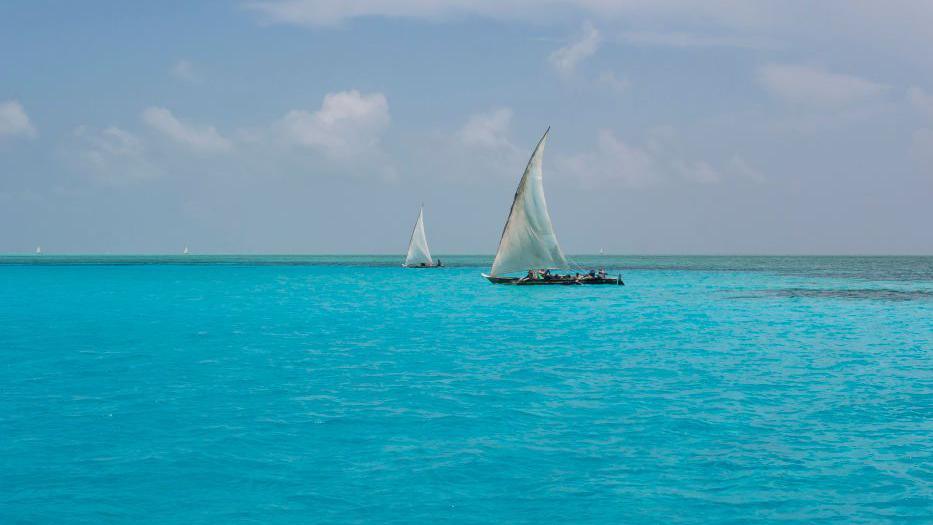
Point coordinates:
pixel 574 265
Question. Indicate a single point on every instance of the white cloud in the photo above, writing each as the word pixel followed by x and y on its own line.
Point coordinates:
pixel 487 130
pixel 899 27
pixel 692 40
pixel 921 100
pixel 565 59
pixel 14 122
pixel 740 168
pixel 609 80
pixel 203 139
pixel 114 154
pixel 480 149
pixel 814 86
pixel 347 124
pixel 315 13
pixel 699 171
pixel 185 71
pixel 342 138
pixel 328 12
pixel 614 161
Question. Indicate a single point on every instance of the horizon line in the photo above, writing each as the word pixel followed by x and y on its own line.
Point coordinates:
pixel 402 255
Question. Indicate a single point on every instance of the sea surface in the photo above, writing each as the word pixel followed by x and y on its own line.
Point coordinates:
pixel 285 389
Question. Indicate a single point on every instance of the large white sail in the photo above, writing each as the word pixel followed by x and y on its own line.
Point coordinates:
pixel 418 252
pixel 528 240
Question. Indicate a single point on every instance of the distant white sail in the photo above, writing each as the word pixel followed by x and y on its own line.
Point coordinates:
pixel 185 252
pixel 418 252
pixel 38 250
pixel 528 240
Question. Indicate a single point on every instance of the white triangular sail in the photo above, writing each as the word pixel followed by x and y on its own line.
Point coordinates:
pixel 528 240
pixel 418 252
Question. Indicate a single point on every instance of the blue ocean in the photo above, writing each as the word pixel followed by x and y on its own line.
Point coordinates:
pixel 239 389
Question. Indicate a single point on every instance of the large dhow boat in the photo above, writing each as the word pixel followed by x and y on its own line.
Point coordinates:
pixel 419 256
pixel 529 245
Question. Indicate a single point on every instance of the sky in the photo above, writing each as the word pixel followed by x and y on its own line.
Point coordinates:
pixel 319 127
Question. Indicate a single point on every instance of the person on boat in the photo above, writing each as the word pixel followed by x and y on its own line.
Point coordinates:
pixel 439 262
pixel 602 273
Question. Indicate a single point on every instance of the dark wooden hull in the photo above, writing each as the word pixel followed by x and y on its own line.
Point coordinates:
pixel 520 281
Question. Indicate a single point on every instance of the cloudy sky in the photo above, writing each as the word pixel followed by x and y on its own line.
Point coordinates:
pixel 313 126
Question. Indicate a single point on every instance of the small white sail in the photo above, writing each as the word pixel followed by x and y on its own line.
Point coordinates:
pixel 38 250
pixel 185 252
pixel 418 252
pixel 528 240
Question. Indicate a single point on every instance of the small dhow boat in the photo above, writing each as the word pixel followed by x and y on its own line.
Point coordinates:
pixel 419 256
pixel 528 243
pixel 38 250
pixel 185 251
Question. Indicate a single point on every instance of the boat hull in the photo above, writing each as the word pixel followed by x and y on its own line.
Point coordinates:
pixel 519 281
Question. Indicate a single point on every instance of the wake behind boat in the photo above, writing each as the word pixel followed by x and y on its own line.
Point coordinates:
pixel 419 256
pixel 529 244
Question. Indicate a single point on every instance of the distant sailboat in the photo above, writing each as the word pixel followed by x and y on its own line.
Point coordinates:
pixel 38 250
pixel 419 256
pixel 185 251
pixel 528 242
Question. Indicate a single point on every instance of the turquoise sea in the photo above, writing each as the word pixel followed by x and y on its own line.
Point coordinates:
pixel 241 389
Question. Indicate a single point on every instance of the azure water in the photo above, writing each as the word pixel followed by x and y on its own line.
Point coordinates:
pixel 350 390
